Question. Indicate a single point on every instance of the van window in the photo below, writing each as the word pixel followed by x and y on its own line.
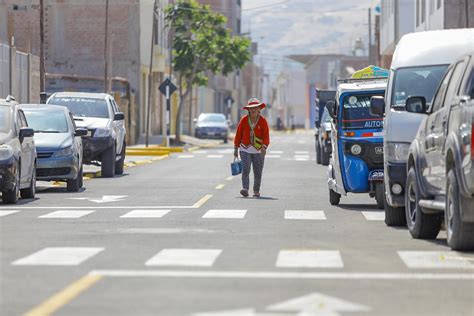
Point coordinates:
pixel 416 81
pixel 356 112
pixel 5 126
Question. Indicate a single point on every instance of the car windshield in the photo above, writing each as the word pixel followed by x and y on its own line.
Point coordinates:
pixel 87 107
pixel 356 112
pixel 416 81
pixel 218 118
pixel 4 119
pixel 47 121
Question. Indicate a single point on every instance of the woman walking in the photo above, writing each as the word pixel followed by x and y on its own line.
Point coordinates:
pixel 252 139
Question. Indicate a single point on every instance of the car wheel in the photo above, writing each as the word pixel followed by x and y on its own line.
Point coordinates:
pixel 29 192
pixel 73 185
pixel 81 179
pixel 11 197
pixel 108 162
pixel 380 195
pixel 324 157
pixel 334 198
pixel 420 225
pixel 394 216
pixel 120 164
pixel 318 152
pixel 225 140
pixel 460 235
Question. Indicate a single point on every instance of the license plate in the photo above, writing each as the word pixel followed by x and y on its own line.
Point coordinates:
pixel 379 150
pixel 376 175
pixel 211 133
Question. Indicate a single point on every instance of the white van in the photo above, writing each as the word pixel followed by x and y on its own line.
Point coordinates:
pixel 418 65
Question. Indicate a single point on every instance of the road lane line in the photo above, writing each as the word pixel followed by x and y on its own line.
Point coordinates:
pixel 285 275
pixel 236 214
pixel 146 214
pixel 66 214
pixel 230 178
pixel 184 257
pixel 185 156
pixel 434 260
pixel 65 296
pixel 5 213
pixel 305 215
pixel 215 156
pixel 374 216
pixel 220 186
pixel 58 256
pixel 202 201
pixel 309 259
pixel 125 207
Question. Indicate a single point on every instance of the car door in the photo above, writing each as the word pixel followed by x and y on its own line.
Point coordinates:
pixel 440 130
pixel 119 127
pixel 28 151
pixel 432 133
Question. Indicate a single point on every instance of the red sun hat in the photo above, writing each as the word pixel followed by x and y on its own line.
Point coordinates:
pixel 253 103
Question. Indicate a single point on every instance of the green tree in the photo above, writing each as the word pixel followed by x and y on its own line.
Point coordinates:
pixel 202 44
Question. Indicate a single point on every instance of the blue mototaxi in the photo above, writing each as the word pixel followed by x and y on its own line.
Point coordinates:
pixel 356 165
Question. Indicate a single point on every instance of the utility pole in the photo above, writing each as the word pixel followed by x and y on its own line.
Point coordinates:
pixel 42 68
pixel 150 72
pixel 370 38
pixel 106 47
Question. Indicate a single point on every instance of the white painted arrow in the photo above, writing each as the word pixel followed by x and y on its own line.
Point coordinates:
pixel 314 304
pixel 104 199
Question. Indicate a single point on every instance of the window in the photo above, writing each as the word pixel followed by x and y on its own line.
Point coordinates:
pixel 417 13
pixel 438 99
pixel 454 82
pixel 438 5
pixel 423 11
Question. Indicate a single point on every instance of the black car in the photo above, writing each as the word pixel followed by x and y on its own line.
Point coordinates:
pixel 17 153
pixel 440 178
pixel 212 125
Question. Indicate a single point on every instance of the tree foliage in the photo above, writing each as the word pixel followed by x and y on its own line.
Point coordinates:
pixel 202 44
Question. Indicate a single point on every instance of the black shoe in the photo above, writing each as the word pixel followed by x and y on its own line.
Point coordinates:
pixel 244 193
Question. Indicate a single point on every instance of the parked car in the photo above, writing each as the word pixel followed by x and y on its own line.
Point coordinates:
pixel 323 139
pixel 17 153
pixel 418 65
pixel 440 167
pixel 356 165
pixel 212 125
pixel 58 144
pixel 105 140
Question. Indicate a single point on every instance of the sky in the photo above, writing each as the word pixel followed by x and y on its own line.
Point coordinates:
pixel 287 27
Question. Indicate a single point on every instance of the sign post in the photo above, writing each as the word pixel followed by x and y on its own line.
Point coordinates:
pixel 167 88
pixel 229 102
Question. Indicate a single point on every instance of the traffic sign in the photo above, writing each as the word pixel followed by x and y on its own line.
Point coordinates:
pixel 229 100
pixel 171 87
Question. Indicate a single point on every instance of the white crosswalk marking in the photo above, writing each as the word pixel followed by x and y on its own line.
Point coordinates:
pixel 436 260
pixel 199 151
pixel 5 213
pixel 184 257
pixel 272 156
pixel 225 214
pixel 66 214
pixel 305 215
pixel 215 156
pixel 59 256
pixel 185 156
pixel 301 152
pixel 309 259
pixel 276 152
pixel 226 151
pixel 374 216
pixel 146 214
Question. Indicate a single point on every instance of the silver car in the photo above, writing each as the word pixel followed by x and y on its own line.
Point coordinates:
pixel 58 144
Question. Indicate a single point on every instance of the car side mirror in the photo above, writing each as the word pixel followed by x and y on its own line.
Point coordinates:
pixel 80 131
pixel 416 105
pixel 331 106
pixel 377 106
pixel 26 132
pixel 119 116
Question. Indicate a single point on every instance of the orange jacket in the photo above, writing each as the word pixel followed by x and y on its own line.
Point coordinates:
pixel 242 136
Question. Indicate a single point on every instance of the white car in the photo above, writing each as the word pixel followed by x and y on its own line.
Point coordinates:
pixel 105 140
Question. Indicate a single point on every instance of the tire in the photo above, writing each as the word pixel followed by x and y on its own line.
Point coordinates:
pixel 318 152
pixel 334 198
pixel 394 216
pixel 460 235
pixel 73 185
pixel 420 225
pixel 11 197
pixel 380 195
pixel 324 158
pixel 119 164
pixel 81 179
pixel 108 162
pixel 225 140
pixel 29 192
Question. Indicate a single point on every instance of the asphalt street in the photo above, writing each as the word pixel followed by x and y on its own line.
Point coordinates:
pixel 174 237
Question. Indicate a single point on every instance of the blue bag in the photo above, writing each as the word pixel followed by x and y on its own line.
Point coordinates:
pixel 236 167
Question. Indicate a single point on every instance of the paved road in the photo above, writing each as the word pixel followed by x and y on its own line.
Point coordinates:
pixel 175 238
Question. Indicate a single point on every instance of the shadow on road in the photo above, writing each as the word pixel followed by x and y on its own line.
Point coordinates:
pixel 360 207
pixel 257 198
pixel 58 190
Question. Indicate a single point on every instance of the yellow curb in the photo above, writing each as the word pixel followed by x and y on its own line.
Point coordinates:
pixel 147 153
pixel 194 148
pixel 157 148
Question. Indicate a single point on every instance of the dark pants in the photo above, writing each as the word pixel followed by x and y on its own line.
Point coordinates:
pixel 257 161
